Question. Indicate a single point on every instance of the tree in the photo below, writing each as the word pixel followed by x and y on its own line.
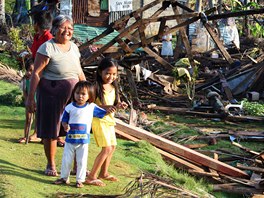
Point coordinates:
pixel 2 13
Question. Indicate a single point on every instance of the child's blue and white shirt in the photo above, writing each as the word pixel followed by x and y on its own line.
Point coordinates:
pixel 80 120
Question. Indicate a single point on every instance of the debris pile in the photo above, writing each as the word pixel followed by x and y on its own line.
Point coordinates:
pixel 207 84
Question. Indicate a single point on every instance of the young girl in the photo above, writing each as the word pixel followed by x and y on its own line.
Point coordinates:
pixel 166 49
pixel 29 66
pixel 76 121
pixel 104 129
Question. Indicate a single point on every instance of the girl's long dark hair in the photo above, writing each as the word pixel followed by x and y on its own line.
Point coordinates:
pixel 104 64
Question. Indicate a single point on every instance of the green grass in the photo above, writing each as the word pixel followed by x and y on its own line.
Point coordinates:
pixel 22 166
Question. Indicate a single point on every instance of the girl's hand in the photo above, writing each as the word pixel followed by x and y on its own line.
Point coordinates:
pixel 31 105
pixel 111 109
pixel 122 105
pixel 66 127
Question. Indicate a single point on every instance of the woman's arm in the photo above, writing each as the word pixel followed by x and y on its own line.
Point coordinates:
pixel 40 63
pixel 82 76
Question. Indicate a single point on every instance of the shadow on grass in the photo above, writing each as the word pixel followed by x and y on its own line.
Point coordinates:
pixel 12 124
pixel 8 168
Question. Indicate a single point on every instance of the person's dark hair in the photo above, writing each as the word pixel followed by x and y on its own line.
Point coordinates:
pixel 84 85
pixel 104 64
pixel 43 19
pixel 28 63
pixel 56 23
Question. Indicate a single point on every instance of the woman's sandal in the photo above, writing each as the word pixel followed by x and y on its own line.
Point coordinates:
pixel 62 181
pixel 51 172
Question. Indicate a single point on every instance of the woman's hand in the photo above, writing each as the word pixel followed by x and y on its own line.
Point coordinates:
pixel 31 105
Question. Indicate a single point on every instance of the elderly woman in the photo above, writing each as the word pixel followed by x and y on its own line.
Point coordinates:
pixel 56 70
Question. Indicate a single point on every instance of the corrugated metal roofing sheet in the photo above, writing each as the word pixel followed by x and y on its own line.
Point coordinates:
pixel 84 32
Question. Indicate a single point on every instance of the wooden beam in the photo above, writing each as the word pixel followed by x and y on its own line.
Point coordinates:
pixel 218 43
pixel 178 162
pixel 203 173
pixel 234 188
pixel 235 14
pixel 124 46
pixel 171 17
pixel 140 10
pixel 185 39
pixel 176 3
pixel 162 61
pixel 161 29
pixel 255 169
pixel 179 150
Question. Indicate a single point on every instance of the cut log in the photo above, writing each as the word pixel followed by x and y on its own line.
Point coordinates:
pixel 179 150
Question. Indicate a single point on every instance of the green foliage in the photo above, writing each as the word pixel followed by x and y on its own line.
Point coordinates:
pixel 9 6
pixel 17 42
pixel 253 108
pixel 8 60
pixel 256 30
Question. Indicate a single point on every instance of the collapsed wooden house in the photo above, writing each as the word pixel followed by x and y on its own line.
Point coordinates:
pixel 131 37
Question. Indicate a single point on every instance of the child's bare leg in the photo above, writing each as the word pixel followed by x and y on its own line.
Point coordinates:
pixel 98 162
pixel 26 127
pixel 104 169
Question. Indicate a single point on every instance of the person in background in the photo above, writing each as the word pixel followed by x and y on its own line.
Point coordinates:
pixel 42 23
pixel 57 69
pixel 107 97
pixel 166 49
pixel 29 66
pixel 77 121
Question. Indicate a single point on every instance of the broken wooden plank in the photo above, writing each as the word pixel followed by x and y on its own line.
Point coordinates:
pixel 195 172
pixel 219 44
pixel 245 148
pixel 179 150
pixel 235 188
pixel 195 146
pixel 162 61
pixel 178 162
pixel 255 169
pixel 186 111
pixel 235 14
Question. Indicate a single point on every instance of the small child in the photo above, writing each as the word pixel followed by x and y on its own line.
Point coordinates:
pixel 104 129
pixel 29 66
pixel 76 121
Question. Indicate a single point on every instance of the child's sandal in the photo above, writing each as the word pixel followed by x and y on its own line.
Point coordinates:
pixel 61 181
pixel 79 184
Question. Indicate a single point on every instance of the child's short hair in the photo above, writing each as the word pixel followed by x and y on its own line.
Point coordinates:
pixel 28 63
pixel 43 19
pixel 84 85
